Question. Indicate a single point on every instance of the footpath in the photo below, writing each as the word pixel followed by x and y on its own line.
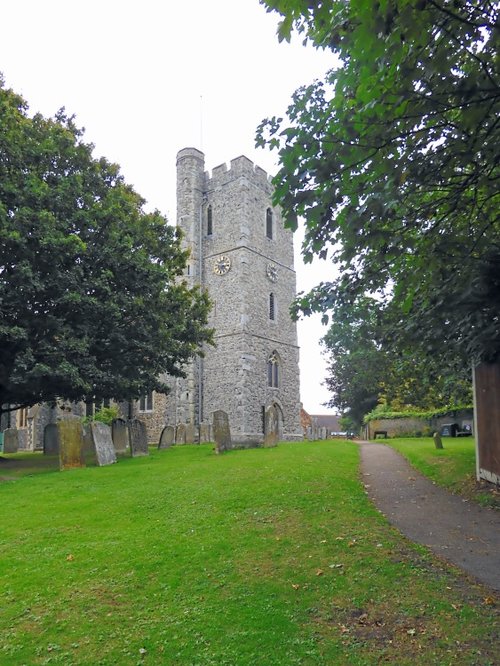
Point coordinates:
pixel 457 530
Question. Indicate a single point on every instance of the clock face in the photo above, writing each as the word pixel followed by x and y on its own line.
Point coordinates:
pixel 222 265
pixel 272 272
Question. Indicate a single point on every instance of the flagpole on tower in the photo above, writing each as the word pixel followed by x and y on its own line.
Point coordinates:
pixel 201 123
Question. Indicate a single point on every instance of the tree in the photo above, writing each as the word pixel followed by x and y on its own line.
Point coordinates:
pixel 357 365
pixel 92 304
pixel 364 370
pixel 393 163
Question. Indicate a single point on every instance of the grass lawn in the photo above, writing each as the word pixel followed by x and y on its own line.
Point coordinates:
pixel 261 557
pixel 453 467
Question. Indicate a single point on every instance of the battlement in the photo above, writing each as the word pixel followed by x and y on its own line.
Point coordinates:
pixel 240 166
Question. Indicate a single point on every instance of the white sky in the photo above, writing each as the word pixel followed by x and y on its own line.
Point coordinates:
pixel 149 78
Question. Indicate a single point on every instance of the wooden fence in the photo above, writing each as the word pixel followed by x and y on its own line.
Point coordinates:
pixel 487 421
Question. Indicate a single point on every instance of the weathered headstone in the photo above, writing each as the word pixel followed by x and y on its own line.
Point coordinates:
pixel 138 438
pixel 51 440
pixel 71 445
pixel 10 440
pixel 205 433
pixel 22 442
pixel 222 432
pixel 180 433
pixel 437 440
pixel 103 444
pixel 89 453
pixel 192 434
pixel 271 427
pixel 167 437
pixel 120 436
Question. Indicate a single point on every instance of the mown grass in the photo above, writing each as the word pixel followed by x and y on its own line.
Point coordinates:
pixel 261 557
pixel 453 467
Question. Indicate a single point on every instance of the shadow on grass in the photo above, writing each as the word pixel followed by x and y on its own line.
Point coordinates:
pixel 16 465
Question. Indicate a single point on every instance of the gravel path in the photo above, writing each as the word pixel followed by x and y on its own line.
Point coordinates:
pixel 457 530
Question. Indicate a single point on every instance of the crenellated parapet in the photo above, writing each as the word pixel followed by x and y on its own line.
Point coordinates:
pixel 240 167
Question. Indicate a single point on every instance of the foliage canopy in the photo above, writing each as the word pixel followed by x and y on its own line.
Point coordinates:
pixel 365 371
pixel 392 161
pixel 92 305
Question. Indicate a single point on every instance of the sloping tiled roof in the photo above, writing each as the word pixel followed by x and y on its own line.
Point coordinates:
pixel 329 421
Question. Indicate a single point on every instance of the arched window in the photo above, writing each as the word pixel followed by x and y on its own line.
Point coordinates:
pixel 209 221
pixel 269 223
pixel 273 370
pixel 271 307
pixel 146 402
pixel 22 417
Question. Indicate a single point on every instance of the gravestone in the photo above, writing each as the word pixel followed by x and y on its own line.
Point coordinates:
pixel 50 440
pixel 103 444
pixel 10 440
pixel 22 441
pixel 71 444
pixel 89 454
pixel 138 438
pixel 271 427
pixel 192 434
pixel 222 432
pixel 120 436
pixel 437 440
pixel 205 433
pixel 167 437
pixel 180 434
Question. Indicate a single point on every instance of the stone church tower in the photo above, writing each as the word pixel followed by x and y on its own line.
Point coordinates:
pixel 243 256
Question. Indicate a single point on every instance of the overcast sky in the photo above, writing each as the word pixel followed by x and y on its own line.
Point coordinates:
pixel 149 78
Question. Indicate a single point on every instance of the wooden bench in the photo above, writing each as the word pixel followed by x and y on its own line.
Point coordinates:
pixel 380 432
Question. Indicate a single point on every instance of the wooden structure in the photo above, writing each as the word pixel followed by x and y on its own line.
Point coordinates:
pixel 487 421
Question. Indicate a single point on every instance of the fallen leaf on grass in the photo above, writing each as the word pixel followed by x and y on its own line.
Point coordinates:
pixel 295 586
pixel 319 572
pixel 489 601
pixel 70 557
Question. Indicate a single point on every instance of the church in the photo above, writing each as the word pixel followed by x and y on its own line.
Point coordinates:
pixel 242 255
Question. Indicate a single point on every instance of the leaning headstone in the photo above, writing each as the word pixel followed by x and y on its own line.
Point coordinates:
pixel 138 438
pixel 271 427
pixel 180 433
pixel 167 437
pixel 205 433
pixel 51 440
pixel 120 436
pixel 437 440
pixel 71 445
pixel 103 444
pixel 192 434
pixel 10 440
pixel 222 432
